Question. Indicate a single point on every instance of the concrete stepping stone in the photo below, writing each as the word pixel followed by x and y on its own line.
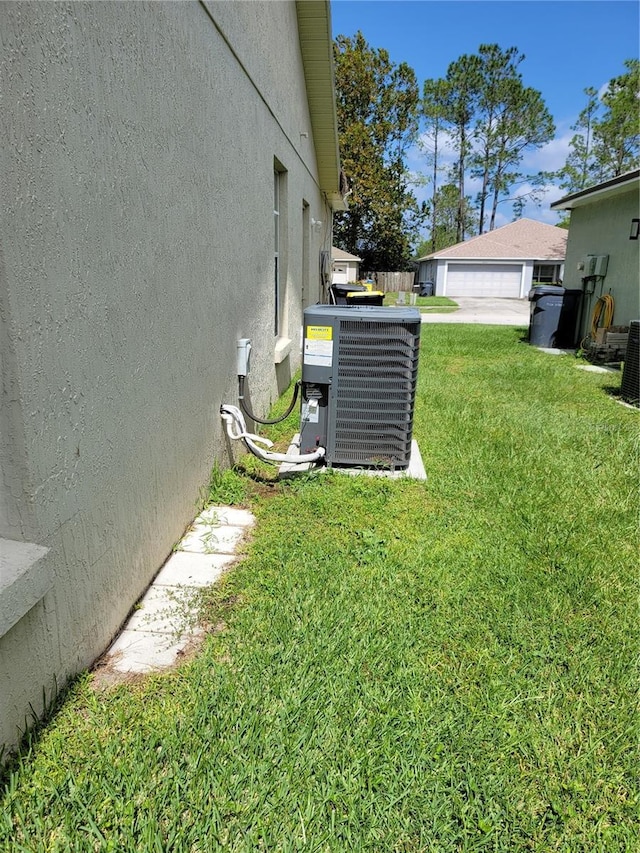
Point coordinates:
pixel 164 623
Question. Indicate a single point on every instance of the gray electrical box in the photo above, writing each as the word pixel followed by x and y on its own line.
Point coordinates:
pixel 595 265
pixel 359 376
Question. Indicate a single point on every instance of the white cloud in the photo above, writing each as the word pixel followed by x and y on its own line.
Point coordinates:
pixel 549 157
pixel 446 146
pixel 539 211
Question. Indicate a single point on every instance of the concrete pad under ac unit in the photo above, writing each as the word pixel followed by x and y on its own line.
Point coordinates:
pixel 414 471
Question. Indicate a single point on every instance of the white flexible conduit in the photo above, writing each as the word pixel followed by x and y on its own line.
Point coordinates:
pixel 233 417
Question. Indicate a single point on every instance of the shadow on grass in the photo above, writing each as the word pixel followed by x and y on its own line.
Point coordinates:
pixel 615 391
pixel 34 728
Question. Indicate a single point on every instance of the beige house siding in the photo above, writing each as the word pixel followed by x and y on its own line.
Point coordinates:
pixel 126 132
pixel 602 228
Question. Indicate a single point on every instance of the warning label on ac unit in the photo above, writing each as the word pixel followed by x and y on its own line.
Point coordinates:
pixel 318 350
pixel 319 333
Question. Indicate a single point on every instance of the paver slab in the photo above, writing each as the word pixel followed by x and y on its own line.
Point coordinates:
pixel 186 568
pixel 212 539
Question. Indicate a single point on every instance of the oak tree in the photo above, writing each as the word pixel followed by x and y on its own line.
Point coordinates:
pixel 377 105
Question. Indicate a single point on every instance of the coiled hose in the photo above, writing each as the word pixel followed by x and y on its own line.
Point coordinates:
pixel 602 311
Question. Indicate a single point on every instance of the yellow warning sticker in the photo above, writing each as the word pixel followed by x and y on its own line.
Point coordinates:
pixel 319 333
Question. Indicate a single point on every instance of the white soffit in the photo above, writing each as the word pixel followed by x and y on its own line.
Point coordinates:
pixel 316 45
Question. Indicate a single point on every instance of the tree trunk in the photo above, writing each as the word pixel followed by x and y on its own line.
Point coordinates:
pixel 434 210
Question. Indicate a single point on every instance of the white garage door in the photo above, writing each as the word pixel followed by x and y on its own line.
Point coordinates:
pixel 484 280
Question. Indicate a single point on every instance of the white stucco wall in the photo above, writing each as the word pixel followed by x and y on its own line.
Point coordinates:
pixel 137 146
pixel 345 272
pixel 602 228
pixel 527 279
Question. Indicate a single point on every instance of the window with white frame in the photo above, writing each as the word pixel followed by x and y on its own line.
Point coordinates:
pixel 546 273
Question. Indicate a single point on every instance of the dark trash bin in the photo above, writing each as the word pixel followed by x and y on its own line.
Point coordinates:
pixel 340 291
pixel 426 288
pixel 553 319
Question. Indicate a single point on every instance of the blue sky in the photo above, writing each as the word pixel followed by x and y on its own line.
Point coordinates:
pixel 568 45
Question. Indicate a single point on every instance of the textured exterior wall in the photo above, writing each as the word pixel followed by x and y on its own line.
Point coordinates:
pixel 345 272
pixel 136 245
pixel 602 228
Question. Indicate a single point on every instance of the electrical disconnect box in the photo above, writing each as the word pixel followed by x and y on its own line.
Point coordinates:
pixel 359 375
pixel 594 265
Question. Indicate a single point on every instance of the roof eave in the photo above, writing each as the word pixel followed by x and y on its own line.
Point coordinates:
pixel 503 260
pixel 607 189
pixel 316 45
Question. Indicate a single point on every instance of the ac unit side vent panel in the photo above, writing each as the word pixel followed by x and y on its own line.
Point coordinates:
pixel 377 366
pixel 351 442
pixel 352 407
pixel 356 394
pixel 630 385
pixel 382 380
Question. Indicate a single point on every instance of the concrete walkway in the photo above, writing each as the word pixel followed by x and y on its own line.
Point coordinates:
pixel 487 310
pixel 164 625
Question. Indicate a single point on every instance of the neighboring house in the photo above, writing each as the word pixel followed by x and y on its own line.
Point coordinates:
pixel 346 267
pixel 149 155
pixel 503 263
pixel 605 221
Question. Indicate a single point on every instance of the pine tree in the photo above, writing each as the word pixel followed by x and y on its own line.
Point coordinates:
pixel 463 88
pixel 434 110
pixel 607 142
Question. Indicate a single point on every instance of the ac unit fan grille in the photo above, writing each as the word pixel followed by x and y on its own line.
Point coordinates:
pixel 377 369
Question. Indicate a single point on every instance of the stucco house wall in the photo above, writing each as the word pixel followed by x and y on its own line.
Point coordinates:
pixel 344 272
pixel 601 225
pixel 138 143
pixel 345 267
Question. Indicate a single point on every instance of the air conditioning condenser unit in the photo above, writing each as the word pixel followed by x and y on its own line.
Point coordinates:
pixel 359 377
pixel 630 385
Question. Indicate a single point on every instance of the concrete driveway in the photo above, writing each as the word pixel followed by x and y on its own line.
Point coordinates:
pixel 487 310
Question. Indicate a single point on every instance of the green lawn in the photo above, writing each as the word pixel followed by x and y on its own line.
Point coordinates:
pixel 396 665
pixel 442 303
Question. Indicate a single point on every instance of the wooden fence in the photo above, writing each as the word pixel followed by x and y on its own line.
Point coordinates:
pixel 392 281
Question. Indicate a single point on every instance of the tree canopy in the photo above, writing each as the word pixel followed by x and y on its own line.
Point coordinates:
pixel 473 126
pixel 607 139
pixel 377 105
pixel 490 119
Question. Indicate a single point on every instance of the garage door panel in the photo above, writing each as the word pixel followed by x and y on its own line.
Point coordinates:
pixel 497 280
